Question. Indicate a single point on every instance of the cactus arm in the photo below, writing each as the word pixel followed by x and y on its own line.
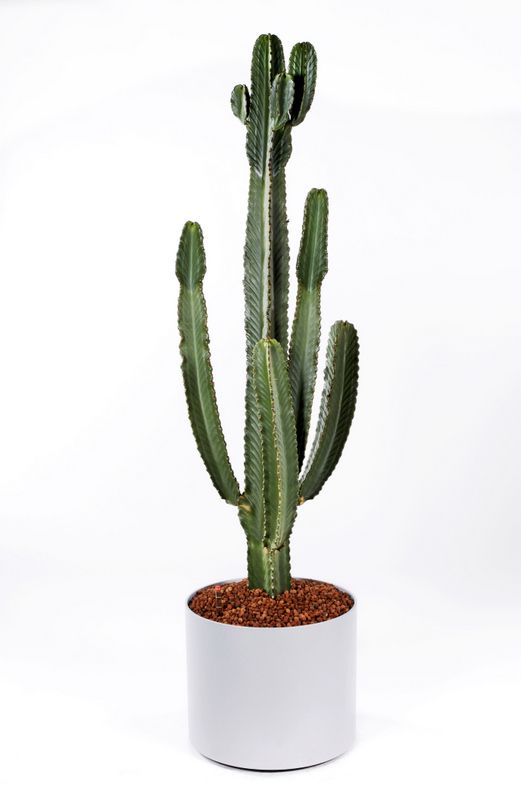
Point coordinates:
pixel 303 67
pixel 281 100
pixel 279 459
pixel 240 102
pixel 279 446
pixel 196 364
pixel 303 355
pixel 336 409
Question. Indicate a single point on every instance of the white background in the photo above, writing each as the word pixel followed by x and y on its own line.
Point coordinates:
pixel 115 129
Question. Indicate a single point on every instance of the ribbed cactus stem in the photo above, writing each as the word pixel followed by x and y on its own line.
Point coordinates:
pixel 272 109
pixel 268 569
pixel 311 269
pixel 266 251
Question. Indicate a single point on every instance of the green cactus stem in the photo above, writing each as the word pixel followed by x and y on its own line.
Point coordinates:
pixel 303 68
pixel 266 252
pixel 279 387
pixel 336 408
pixel 279 443
pixel 240 102
pixel 196 364
pixel 269 569
pixel 305 338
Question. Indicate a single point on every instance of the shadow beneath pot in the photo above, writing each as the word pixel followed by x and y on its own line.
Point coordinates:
pixel 276 771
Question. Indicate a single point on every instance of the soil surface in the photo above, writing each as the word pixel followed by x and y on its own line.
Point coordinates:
pixel 307 601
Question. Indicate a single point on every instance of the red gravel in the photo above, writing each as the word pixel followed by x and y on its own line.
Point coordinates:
pixel 307 601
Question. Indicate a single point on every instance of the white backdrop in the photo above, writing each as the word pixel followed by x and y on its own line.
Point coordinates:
pixel 115 129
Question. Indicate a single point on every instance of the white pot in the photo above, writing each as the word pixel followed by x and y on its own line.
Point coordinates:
pixel 271 698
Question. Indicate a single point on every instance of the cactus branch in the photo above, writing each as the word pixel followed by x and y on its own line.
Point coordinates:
pixel 196 365
pixel 305 338
pixel 336 409
pixel 303 67
pixel 240 102
pixel 279 443
pixel 281 100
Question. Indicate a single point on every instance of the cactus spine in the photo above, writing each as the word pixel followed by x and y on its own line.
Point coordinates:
pixel 279 385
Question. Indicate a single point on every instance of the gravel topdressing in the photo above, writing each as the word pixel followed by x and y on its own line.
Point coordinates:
pixel 307 601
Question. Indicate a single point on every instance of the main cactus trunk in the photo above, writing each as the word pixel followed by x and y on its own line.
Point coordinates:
pixel 268 569
pixel 266 278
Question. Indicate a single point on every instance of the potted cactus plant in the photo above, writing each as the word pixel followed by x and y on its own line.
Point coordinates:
pixel 271 660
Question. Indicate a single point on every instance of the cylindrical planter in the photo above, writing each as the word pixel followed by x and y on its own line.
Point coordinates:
pixel 271 698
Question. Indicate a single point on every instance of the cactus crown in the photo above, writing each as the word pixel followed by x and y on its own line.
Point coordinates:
pixel 280 377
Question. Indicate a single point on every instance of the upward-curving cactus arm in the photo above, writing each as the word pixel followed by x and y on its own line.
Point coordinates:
pixel 303 67
pixel 240 102
pixel 305 338
pixel 336 408
pixel 196 365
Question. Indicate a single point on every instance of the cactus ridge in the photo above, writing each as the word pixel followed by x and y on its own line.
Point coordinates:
pixel 279 384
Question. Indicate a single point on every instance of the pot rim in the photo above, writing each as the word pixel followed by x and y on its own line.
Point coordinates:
pixel 268 627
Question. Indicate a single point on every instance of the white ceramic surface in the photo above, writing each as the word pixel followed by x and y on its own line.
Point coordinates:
pixel 271 698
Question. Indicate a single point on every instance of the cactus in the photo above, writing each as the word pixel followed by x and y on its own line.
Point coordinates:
pixel 280 380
